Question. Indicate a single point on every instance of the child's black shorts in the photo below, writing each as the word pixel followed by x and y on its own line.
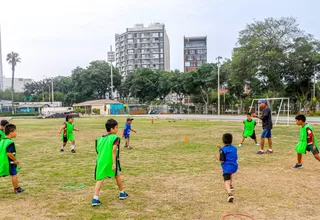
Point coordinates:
pixel 227 176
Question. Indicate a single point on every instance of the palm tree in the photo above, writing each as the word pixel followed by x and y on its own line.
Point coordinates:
pixel 13 58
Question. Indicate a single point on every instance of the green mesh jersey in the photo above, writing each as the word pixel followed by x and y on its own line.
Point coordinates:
pixel 4 160
pixel 104 148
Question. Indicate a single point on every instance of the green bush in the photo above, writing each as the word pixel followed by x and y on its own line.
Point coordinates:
pixel 95 111
pixel 82 111
pixel 77 110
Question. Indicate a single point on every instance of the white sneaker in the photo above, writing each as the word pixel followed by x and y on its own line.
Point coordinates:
pixel 230 198
pixel 257 144
pixel 240 145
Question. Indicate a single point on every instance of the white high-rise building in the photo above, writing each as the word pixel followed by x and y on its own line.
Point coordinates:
pixel 143 47
pixel 1 69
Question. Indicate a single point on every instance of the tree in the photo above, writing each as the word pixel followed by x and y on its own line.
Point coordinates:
pixel 13 58
pixel 264 45
pixel 145 83
pixel 300 66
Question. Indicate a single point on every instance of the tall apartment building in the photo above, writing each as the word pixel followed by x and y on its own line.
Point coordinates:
pixel 195 52
pixel 143 47
pixel 1 70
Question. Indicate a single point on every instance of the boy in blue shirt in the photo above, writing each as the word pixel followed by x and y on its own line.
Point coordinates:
pixel 126 132
pixel 228 158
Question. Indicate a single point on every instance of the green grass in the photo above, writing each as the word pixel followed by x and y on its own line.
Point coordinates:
pixel 165 177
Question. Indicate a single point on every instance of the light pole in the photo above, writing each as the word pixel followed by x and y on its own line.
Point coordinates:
pixel 52 93
pixel 314 83
pixel 111 58
pixel 218 93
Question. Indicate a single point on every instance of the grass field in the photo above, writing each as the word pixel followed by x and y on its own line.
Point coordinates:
pixel 165 177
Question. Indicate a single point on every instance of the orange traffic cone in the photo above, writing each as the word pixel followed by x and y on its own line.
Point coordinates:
pixel 185 139
pixel 152 121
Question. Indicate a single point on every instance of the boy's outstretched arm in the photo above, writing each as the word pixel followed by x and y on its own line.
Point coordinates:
pixel 133 130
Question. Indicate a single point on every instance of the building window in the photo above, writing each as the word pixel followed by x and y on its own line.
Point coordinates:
pixel 187 64
pixel 130 51
pixel 129 35
pixel 161 55
pixel 155 34
pixel 161 34
pixel 156 55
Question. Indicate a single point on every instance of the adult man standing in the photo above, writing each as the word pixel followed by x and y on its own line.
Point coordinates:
pixel 266 126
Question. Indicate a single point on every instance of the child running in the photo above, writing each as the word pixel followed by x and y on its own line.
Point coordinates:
pixel 126 133
pixel 67 134
pixel 228 158
pixel 108 162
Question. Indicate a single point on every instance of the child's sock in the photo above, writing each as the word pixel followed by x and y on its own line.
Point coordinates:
pixel 72 147
pixel 96 197
pixel 62 147
pixel 270 150
pixel 122 191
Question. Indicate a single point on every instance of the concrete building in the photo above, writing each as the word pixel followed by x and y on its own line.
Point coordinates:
pixel 18 84
pixel 195 52
pixel 1 69
pixel 143 47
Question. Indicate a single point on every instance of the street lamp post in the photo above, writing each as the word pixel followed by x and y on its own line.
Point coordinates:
pixel 52 93
pixel 111 59
pixel 314 83
pixel 218 93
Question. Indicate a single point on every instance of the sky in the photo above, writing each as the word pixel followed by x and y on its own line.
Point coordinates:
pixel 54 37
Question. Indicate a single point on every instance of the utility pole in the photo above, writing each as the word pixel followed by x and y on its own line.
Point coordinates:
pixel 111 58
pixel 218 93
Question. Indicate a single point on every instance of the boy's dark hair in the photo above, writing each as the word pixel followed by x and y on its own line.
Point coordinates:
pixel 9 128
pixel 111 123
pixel 227 138
pixel 68 117
pixel 4 123
pixel 249 113
pixel 301 118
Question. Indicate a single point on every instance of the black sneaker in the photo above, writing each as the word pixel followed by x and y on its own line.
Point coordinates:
pixel 18 190
pixel 260 152
pixel 297 166
pixel 73 151
pixel 61 150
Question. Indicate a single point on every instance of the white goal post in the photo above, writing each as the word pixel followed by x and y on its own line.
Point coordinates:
pixel 286 109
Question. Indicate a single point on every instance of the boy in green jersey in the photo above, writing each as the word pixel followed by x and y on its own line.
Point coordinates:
pixel 248 131
pixel 2 124
pixel 67 134
pixel 8 160
pixel 108 163
pixel 307 142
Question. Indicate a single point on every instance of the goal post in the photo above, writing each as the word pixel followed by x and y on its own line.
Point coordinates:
pixel 280 105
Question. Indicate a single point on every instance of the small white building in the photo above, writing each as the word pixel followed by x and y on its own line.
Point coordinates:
pixel 18 83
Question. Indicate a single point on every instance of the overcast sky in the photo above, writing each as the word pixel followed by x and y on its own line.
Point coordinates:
pixel 54 37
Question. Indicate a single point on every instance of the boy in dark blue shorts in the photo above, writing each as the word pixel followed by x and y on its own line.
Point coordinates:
pixel 8 160
pixel 228 158
pixel 307 142
pixel 126 133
